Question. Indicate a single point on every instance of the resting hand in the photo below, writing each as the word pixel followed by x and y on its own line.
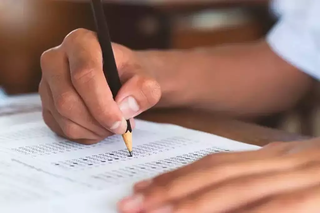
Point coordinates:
pixel 281 177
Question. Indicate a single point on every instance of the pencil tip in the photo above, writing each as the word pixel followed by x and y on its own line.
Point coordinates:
pixel 130 153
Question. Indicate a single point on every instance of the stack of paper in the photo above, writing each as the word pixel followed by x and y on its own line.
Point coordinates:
pixel 40 172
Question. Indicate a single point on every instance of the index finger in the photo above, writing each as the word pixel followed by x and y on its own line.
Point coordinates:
pixel 85 62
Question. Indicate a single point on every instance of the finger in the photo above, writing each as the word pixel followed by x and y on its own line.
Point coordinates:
pixel 204 163
pixel 138 95
pixel 212 162
pixel 248 190
pixel 66 100
pixel 70 129
pixel 166 188
pixel 51 122
pixel 216 159
pixel 281 148
pixel 46 100
pixel 132 123
pixel 305 200
pixel 54 126
pixel 173 184
pixel 219 159
pixel 85 62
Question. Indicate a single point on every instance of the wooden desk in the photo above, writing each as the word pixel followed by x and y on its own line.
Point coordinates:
pixel 236 130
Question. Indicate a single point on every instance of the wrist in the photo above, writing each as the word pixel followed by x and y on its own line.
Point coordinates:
pixel 161 66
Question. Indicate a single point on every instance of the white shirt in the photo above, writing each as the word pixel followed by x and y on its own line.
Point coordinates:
pixel 296 36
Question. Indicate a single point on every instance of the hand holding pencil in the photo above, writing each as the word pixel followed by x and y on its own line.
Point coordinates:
pixel 77 101
pixel 109 64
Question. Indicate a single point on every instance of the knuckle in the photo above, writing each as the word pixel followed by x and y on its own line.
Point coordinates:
pixel 70 130
pixel 151 90
pixel 82 75
pixel 123 57
pixel 77 36
pixel 105 116
pixel 64 104
pixel 47 57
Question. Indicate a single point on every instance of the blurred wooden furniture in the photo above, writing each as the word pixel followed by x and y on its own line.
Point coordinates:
pixel 136 24
pixel 183 5
pixel 229 128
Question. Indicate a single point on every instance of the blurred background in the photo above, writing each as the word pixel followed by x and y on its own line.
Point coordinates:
pixel 29 27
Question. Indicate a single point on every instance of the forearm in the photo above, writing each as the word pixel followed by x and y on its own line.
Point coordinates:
pixel 241 80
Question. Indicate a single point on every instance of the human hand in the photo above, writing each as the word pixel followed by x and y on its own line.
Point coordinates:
pixel 281 177
pixel 77 102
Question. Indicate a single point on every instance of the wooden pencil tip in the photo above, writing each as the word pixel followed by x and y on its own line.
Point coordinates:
pixel 127 137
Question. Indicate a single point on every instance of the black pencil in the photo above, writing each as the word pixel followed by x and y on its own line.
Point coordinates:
pixel 109 65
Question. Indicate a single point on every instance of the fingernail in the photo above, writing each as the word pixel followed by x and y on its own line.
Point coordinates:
pixel 129 107
pixel 120 126
pixel 143 184
pixel 116 125
pixel 164 209
pixel 132 204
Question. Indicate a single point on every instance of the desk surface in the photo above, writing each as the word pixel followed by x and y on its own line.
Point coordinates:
pixel 236 130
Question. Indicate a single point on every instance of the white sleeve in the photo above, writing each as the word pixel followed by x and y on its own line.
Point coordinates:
pixel 296 37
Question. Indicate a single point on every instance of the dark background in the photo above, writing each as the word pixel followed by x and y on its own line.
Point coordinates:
pixel 29 27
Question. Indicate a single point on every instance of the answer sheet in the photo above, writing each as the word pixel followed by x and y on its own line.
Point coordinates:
pixel 43 173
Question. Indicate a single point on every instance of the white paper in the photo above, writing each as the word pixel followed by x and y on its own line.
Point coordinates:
pixel 40 172
pixel 19 109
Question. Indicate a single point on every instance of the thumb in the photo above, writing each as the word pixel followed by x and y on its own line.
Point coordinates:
pixel 137 95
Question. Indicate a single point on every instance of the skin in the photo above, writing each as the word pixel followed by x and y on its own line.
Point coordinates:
pixel 240 74
pixel 281 177
pixel 77 104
